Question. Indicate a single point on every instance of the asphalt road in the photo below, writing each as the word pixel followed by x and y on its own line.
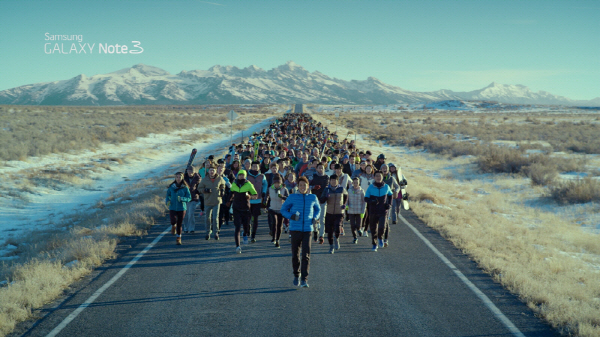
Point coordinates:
pixel 203 288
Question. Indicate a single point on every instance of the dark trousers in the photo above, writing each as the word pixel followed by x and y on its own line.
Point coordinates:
pixel 277 224
pixel 255 210
pixel 379 227
pixel 223 215
pixel 177 219
pixel 241 218
pixel 301 239
pixel 365 220
pixel 333 223
pixel 355 224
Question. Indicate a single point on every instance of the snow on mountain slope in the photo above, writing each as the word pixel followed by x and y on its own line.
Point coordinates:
pixel 144 84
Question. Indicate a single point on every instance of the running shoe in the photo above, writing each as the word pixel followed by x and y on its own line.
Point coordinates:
pixel 296 281
pixel 355 241
pixel 394 222
pixel 207 236
pixel 321 240
pixel 380 243
pixel 238 249
pixel 192 232
pixel 366 234
pixel 374 248
pixel 277 244
pixel 253 240
pixel 245 240
pixel 360 232
pixel 336 243
pixel 331 249
pixel 178 241
pixel 385 243
pixel 217 237
pixel 303 284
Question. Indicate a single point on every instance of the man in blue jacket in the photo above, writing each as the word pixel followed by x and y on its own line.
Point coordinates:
pixel 379 197
pixel 303 210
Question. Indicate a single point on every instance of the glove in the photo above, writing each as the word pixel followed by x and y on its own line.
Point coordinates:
pixel 295 217
pixel 347 207
pixel 207 190
pixel 280 196
pixel 362 216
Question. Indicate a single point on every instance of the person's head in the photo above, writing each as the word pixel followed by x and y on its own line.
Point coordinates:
pixel 378 176
pixel 220 169
pixel 255 166
pixel 291 177
pixel 333 180
pixel 178 177
pixel 356 182
pixel 190 170
pixel 282 154
pixel 281 163
pixel 303 185
pixel 368 154
pixel 345 159
pixel 235 165
pixel 320 168
pixel 363 165
pixel 277 181
pixel 304 157
pixel 241 175
pixel 236 157
pixel 393 168
pixel 369 169
pixel 338 169
pixel 324 160
pixel 332 165
pixel 266 161
pixel 274 167
pixel 384 169
pixel 314 163
pixel 212 171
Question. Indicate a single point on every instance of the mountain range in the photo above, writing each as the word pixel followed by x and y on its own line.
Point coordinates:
pixel 289 83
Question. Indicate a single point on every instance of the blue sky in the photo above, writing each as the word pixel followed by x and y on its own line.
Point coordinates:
pixel 417 45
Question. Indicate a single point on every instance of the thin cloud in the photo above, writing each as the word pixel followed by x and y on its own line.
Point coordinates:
pixel 212 3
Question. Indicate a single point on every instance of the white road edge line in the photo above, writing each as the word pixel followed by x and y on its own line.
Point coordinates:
pixel 499 315
pixel 98 292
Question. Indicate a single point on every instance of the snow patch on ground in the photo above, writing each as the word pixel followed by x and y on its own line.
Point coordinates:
pixel 155 155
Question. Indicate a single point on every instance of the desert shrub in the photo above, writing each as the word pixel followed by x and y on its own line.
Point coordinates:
pixel 575 191
pixel 542 174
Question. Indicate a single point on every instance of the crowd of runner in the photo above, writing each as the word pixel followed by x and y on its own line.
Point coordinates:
pixel 304 178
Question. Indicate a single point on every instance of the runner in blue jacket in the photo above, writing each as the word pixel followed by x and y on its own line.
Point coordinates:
pixel 303 210
pixel 379 197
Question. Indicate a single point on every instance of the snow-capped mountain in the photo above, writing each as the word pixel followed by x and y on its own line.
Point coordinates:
pixel 143 84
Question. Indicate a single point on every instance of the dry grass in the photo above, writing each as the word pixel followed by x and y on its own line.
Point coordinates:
pixel 577 191
pixel 35 131
pixel 547 260
pixel 89 238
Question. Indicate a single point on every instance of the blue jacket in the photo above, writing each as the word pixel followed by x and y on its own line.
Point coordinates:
pixel 307 205
pixel 173 192
pixel 379 199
